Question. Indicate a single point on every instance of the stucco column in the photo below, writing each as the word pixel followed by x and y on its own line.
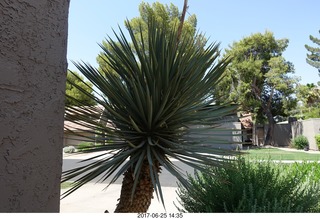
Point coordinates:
pixel 33 66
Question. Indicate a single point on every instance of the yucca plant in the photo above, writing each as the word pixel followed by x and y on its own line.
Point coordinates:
pixel 155 105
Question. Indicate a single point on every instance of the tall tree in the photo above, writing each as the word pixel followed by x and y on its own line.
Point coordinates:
pixel 158 102
pixel 168 17
pixel 313 58
pixel 309 95
pixel 258 78
pixel 74 97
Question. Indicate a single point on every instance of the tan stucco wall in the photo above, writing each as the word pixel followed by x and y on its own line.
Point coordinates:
pixel 33 44
pixel 70 139
pixel 309 128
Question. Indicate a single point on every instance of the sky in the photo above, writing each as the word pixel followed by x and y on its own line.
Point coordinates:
pixel 222 21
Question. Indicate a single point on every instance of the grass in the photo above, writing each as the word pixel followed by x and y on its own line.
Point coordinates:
pixel 65 185
pixel 278 154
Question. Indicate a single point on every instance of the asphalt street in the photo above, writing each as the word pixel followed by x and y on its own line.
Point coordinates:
pixel 96 197
pixel 166 178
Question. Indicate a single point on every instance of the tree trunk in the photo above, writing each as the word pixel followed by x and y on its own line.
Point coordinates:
pixel 183 15
pixel 270 132
pixel 143 194
pixel 269 140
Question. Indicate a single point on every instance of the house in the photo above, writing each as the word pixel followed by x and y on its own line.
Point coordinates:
pixel 75 132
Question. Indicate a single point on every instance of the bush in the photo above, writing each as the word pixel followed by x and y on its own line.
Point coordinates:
pixel 252 186
pixel 307 169
pixel 300 142
pixel 69 149
pixel 317 137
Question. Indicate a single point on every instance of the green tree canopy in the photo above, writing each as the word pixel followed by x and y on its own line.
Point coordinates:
pixel 313 58
pixel 258 78
pixel 309 95
pixel 74 97
pixel 167 17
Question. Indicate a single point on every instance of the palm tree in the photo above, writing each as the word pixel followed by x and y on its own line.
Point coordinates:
pixel 157 106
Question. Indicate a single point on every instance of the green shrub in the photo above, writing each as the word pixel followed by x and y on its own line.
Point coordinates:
pixel 252 186
pixel 307 169
pixel 300 142
pixel 317 137
pixel 69 149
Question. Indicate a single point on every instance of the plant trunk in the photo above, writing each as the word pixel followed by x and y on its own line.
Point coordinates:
pixel 143 194
pixel 270 132
pixel 183 15
pixel 269 140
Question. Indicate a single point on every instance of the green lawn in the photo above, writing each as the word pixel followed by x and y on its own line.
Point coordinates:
pixel 278 154
pixel 65 185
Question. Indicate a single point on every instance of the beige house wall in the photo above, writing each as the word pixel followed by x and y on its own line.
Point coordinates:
pixel 33 47
pixel 71 139
pixel 229 134
pixel 308 128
